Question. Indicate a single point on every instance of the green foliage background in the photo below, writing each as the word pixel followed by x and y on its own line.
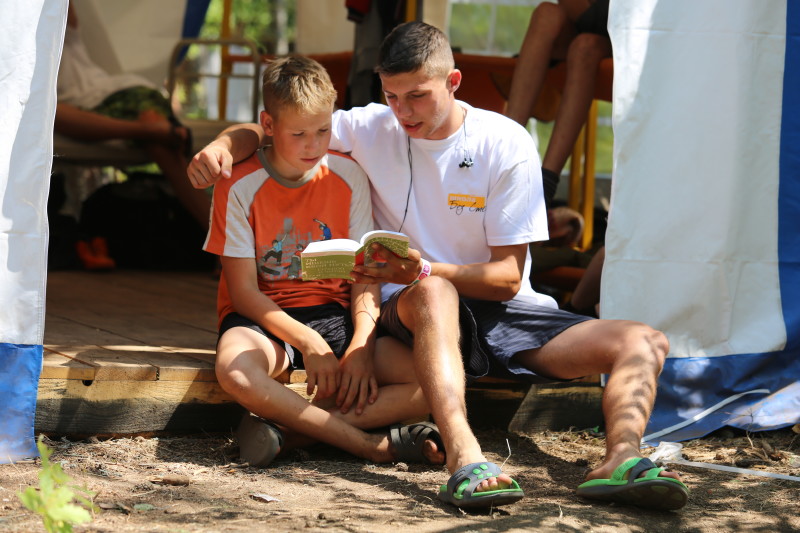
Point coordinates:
pixel 250 19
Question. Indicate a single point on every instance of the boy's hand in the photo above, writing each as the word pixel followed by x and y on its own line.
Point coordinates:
pixel 322 367
pixel 396 269
pixel 209 165
pixel 358 380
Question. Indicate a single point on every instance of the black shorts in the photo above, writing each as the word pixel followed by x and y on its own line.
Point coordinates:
pixel 594 19
pixel 492 333
pixel 332 321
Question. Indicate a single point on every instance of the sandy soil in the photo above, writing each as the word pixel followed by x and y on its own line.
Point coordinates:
pixel 194 483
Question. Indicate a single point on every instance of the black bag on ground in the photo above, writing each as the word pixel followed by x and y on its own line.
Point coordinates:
pixel 145 226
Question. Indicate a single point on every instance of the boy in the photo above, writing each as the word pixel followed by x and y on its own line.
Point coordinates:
pixel 269 321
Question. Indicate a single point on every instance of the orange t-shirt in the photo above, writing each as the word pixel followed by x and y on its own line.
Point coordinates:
pixel 257 214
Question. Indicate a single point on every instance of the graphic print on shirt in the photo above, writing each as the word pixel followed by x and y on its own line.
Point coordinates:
pixel 294 264
pixel 326 231
pixel 281 260
pixel 276 253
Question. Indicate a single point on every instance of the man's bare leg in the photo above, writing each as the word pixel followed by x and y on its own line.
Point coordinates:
pixel 587 293
pixel 430 311
pixel 585 53
pixel 549 33
pixel 633 355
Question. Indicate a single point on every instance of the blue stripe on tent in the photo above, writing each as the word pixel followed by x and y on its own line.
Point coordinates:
pixel 695 384
pixel 20 366
pixel 698 383
pixel 789 191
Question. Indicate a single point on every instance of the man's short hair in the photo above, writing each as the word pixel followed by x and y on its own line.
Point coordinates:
pixel 298 83
pixel 415 46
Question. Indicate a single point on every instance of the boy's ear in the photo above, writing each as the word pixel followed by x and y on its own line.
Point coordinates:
pixel 454 80
pixel 267 123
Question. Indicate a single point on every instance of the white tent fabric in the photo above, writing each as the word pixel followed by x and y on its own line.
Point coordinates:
pixel 31 34
pixel 701 239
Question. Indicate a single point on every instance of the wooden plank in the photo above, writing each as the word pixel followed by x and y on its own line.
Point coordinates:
pixel 70 407
pixel 132 311
pixel 118 358
pixel 559 407
pixel 111 328
pixel 82 344
pixel 56 365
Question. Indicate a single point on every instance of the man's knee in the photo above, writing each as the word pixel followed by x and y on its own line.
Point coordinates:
pixel 431 290
pixel 430 298
pixel 640 340
pixel 548 13
pixel 547 17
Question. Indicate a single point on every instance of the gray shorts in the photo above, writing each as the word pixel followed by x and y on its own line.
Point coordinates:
pixel 492 333
pixel 332 321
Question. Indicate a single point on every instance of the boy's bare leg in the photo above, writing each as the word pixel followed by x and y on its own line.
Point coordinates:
pixel 585 53
pixel 430 311
pixel 400 397
pixel 633 355
pixel 246 362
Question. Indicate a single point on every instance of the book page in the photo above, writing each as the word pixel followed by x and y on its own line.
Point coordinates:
pixel 332 245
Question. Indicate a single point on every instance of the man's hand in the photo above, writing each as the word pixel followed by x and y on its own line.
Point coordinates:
pixel 396 269
pixel 322 367
pixel 358 380
pixel 209 165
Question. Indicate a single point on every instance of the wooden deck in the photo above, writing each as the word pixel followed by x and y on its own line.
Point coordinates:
pixel 131 352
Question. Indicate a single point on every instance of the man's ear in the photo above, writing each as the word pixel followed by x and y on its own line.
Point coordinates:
pixel 267 123
pixel 454 80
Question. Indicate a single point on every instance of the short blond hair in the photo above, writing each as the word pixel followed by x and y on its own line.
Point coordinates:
pixel 299 83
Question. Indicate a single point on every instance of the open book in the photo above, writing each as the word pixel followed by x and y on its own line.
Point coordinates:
pixel 335 258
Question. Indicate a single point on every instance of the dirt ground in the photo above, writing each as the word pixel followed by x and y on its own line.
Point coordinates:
pixel 194 483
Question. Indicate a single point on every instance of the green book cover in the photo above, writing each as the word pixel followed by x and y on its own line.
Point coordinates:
pixel 335 258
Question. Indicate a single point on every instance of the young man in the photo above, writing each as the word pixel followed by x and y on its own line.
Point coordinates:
pixel 269 321
pixel 465 185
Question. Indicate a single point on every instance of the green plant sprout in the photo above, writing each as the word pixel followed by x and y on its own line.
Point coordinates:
pixel 54 498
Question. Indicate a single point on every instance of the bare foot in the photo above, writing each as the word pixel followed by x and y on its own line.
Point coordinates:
pixel 503 481
pixel 432 453
pixel 606 469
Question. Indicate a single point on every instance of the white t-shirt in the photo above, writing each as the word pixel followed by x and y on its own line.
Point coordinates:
pixel 83 83
pixel 453 214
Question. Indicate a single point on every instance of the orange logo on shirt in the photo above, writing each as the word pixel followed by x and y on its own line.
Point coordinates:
pixel 460 201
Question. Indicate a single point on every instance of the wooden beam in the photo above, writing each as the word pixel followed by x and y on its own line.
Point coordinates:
pixel 559 407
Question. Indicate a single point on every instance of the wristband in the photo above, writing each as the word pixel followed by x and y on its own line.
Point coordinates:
pixel 425 272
